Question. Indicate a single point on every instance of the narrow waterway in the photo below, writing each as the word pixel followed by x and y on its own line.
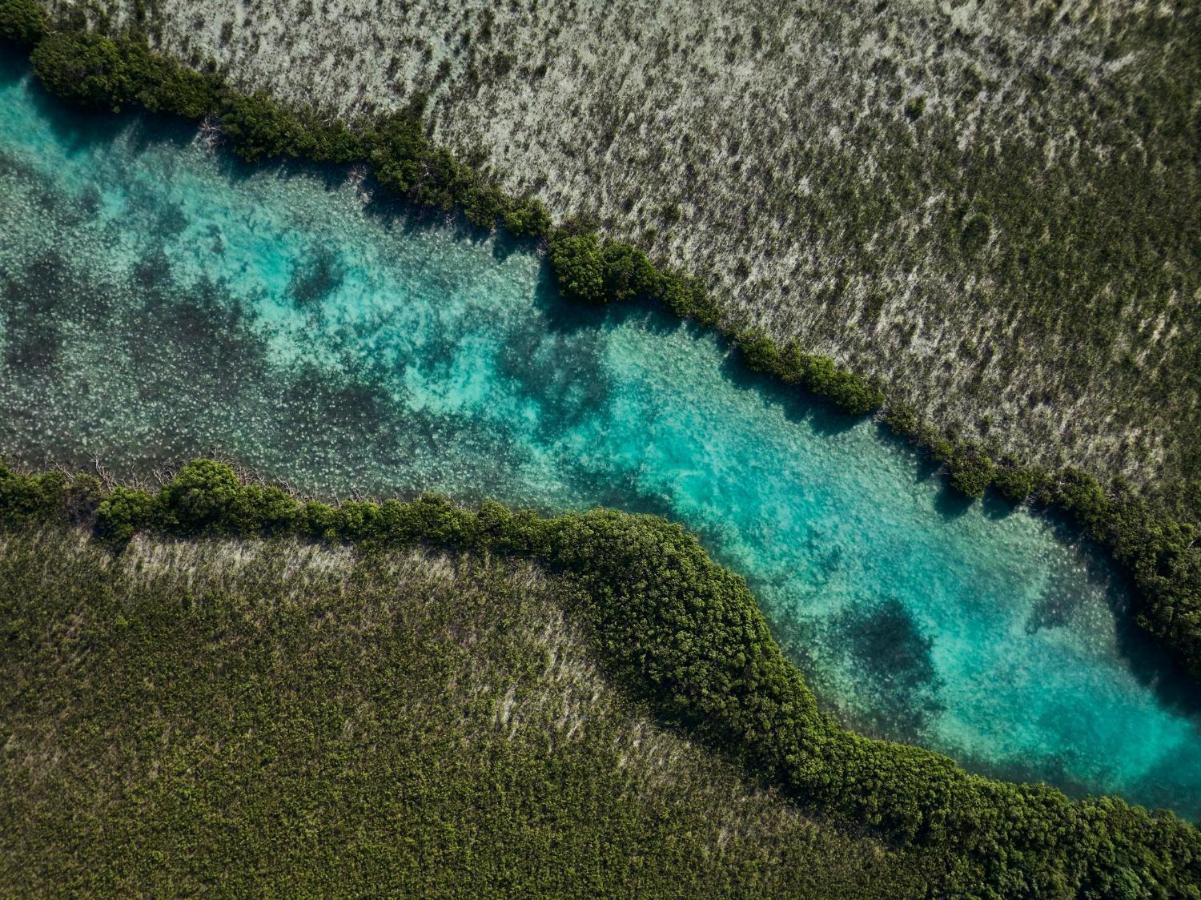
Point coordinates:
pixel 160 301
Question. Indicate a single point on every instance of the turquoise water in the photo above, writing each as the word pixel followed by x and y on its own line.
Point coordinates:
pixel 160 301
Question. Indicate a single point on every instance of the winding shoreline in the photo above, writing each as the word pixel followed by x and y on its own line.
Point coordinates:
pixel 1160 555
pixel 685 635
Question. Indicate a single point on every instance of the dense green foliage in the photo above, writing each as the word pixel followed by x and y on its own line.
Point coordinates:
pixel 685 635
pixel 96 71
pixel 84 68
pixel 124 512
pixel 303 135
pixel 22 21
pixel 590 270
pixel 579 267
pixel 250 718
pixel 1016 483
pixel 527 218
pixel 629 274
pixel 1161 552
pixel 818 375
pixel 972 470
pixel 161 86
pixel 407 163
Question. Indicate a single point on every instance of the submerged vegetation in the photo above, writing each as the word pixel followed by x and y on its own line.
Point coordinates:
pixel 684 635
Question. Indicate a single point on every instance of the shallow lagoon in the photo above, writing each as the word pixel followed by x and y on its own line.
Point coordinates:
pixel 160 301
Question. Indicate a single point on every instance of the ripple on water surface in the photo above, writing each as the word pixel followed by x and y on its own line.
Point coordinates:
pixel 160 302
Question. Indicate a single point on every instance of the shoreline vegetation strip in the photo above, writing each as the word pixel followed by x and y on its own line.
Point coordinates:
pixel 683 634
pixel 1159 553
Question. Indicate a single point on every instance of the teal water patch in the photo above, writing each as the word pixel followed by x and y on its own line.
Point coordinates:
pixel 160 301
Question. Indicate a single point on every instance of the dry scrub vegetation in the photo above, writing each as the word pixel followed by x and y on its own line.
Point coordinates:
pixel 243 716
pixel 991 205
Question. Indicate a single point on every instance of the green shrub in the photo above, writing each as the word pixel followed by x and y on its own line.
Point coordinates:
pixel 528 218
pixel 851 393
pixel 760 354
pixel 207 497
pixel 25 498
pixel 398 149
pixel 971 471
pixel 318 520
pixel 588 270
pixel 578 266
pixel 504 530
pixel 433 518
pixel 444 181
pixel 359 521
pixel 628 272
pixel 259 127
pixel 22 21
pixel 1080 495
pixel 266 509
pixel 688 299
pixel 162 85
pixel 846 391
pixel 903 420
pixel 96 71
pixel 1016 483
pixel 484 204
pixel 330 142
pixel 48 496
pixel 83 68
pixel 124 512
pixel 204 496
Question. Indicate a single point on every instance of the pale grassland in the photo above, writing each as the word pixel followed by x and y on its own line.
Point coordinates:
pixel 992 205
pixel 279 717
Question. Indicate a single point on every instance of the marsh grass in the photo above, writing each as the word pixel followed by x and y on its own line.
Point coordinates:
pixel 990 206
pixel 247 716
